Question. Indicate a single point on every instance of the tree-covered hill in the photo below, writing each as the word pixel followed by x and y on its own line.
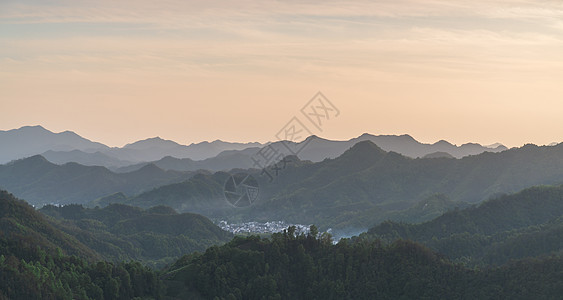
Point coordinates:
pixel 120 232
pixel 202 193
pixel 289 266
pixel 22 227
pixel 38 261
pixel 528 223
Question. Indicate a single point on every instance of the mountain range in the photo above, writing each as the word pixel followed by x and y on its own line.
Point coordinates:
pixel 41 182
pixel 31 140
pixel 69 147
pixel 445 221
pixel 358 188
pixel 317 149
pixel 57 253
pixel 364 186
pixel 218 155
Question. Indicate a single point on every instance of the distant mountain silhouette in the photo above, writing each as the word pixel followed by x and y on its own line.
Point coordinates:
pixel 218 155
pixel 317 149
pixel 224 161
pixel 438 155
pixel 67 146
pixel 85 158
pixel 30 140
pixel 156 148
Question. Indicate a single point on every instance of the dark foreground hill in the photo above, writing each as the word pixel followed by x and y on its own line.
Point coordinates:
pixel 38 261
pixel 25 228
pixel 305 267
pixel 33 265
pixel 155 236
pixel 526 224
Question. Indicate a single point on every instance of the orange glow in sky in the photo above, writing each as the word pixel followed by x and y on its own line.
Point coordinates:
pixel 119 71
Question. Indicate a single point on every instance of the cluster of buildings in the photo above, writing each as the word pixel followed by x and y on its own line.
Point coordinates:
pixel 258 228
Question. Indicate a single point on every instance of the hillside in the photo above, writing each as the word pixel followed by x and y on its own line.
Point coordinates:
pixel 289 266
pixel 23 228
pixel 526 224
pixel 201 193
pixel 154 236
pixel 367 185
pixel 38 261
pixel 42 182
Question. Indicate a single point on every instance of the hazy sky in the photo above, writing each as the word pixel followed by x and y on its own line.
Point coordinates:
pixel 119 71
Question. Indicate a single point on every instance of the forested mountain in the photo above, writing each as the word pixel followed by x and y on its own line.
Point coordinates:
pixel 22 227
pixel 526 224
pixel 202 194
pixel 289 266
pixel 367 185
pixel 154 236
pixel 35 262
pixel 41 182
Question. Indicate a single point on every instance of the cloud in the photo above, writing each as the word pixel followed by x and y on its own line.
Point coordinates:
pixel 190 13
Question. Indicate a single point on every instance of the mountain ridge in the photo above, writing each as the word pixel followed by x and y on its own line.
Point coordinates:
pixel 64 146
pixel 364 185
pixel 42 182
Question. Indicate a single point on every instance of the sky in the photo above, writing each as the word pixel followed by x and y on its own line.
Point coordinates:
pixel 120 71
